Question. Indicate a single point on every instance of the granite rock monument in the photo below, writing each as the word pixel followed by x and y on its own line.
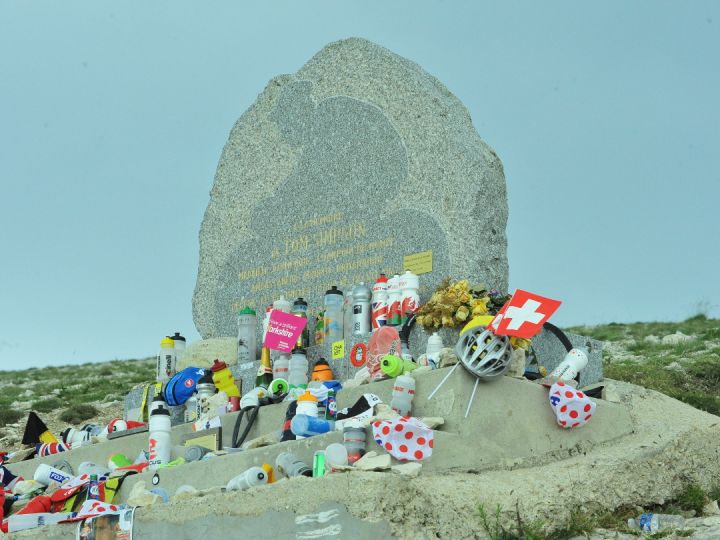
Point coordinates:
pixel 339 172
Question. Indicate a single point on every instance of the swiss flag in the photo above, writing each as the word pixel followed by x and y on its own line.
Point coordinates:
pixel 523 315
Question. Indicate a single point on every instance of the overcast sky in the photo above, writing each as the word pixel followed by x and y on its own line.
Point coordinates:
pixel 113 117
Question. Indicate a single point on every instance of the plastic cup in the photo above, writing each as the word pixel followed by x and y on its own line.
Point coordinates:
pixel 336 455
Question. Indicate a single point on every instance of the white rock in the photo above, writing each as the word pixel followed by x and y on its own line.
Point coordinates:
pixel 652 339
pixel 433 421
pixel 411 469
pixel 677 337
pixel 202 353
pixel 263 440
pixel 139 496
pixel 674 366
pixel 448 357
pixel 373 462
pixel 517 364
pixel 711 509
pixel 610 393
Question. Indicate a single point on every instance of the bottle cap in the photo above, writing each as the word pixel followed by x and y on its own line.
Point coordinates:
pixel 307 396
pixel 299 350
pixel 177 337
pixel 334 290
pixel 247 310
pixel 160 410
pixel 167 343
pixel 269 471
pixel 300 302
pixel 218 365
pixel 392 365
pixel 382 279
pixel 206 378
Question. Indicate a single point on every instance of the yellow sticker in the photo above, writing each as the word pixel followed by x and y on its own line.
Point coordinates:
pixel 418 263
pixel 338 350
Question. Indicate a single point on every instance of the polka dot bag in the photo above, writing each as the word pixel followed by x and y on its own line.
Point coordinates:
pixel 405 438
pixel 572 407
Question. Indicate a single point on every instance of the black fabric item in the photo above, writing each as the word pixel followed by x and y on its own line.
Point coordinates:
pixel 287 434
pixel 252 412
pixel 33 429
pixel 360 406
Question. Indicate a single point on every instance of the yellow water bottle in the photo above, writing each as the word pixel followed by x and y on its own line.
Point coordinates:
pixel 223 379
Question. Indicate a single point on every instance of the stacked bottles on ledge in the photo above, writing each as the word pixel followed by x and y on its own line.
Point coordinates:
pixel 349 316
pixel 352 318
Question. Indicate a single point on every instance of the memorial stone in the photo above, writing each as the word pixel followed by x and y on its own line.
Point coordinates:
pixel 340 172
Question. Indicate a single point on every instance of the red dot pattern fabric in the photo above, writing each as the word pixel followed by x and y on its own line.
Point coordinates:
pixel 572 407
pixel 404 438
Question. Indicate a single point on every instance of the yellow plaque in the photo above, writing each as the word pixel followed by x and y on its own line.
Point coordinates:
pixel 338 350
pixel 418 263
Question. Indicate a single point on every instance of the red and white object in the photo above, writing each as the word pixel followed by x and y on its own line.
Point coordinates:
pixel 572 407
pixel 379 306
pixel 405 438
pixel 409 293
pixel 394 316
pixel 402 395
pixel 574 362
pixel 523 315
pixel 160 442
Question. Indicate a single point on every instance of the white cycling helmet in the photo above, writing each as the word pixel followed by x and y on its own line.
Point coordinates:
pixel 484 354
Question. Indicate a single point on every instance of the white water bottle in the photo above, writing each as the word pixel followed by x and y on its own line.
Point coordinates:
pixel 44 474
pixel 281 366
pixel 282 304
pixel 298 369
pixel 574 362
pixel 254 476
pixel 247 343
pixel 361 309
pixel 307 404
pixel 656 522
pixel 409 294
pixel 160 443
pixel 333 303
pixel 166 360
pixel 434 346
pixel 402 395
pixel 180 343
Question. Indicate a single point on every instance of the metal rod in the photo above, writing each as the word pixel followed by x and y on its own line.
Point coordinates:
pixel 443 381
pixel 472 397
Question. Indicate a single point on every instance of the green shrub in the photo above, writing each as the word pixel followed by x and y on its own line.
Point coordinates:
pixel 693 497
pixel 78 413
pixel 47 404
pixel 10 416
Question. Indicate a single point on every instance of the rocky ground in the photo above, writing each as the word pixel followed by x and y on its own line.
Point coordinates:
pixel 66 395
pixel 681 360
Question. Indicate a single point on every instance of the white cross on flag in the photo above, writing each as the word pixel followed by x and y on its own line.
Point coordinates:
pixel 523 315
